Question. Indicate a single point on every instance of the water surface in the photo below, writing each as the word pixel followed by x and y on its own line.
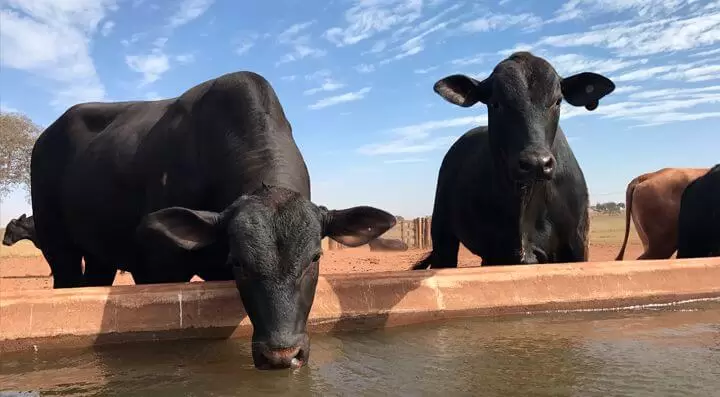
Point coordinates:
pixel 658 351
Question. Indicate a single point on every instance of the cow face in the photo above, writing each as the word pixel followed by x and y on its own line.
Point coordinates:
pixel 274 249
pixel 523 95
pixel 19 229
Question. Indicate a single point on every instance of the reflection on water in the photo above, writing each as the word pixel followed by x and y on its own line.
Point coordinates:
pixel 672 351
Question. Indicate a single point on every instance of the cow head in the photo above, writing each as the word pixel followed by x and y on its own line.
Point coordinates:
pixel 274 239
pixel 523 95
pixel 19 229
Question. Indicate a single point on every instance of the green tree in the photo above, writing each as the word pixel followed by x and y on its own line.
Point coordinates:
pixel 17 137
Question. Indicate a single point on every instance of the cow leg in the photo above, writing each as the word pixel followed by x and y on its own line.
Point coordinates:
pixel 66 267
pixel 445 247
pixel 575 246
pixel 660 245
pixel 98 273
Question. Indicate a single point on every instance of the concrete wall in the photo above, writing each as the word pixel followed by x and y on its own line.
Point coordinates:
pixel 47 318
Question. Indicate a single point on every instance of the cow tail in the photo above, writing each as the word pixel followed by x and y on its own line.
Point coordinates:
pixel 628 213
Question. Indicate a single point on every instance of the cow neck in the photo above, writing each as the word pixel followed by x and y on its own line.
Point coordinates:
pixel 519 203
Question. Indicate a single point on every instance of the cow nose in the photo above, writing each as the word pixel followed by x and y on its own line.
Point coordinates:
pixel 283 357
pixel 540 167
pixel 548 166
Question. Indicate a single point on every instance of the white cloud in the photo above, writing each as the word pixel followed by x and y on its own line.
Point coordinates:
pixel 426 70
pixel 407 160
pixel 152 66
pixel 243 48
pixel 408 145
pixel 626 89
pixel 706 53
pixel 499 22
pixel 379 46
pixel 638 39
pixel 246 42
pixel 185 58
pixel 51 39
pixel 661 109
pixel 133 39
pixel 368 18
pixel 318 75
pixel 289 35
pixel 338 99
pixel 107 28
pixel 644 73
pixel 188 11
pixel 289 78
pixel 674 93
pixel 365 68
pixel 417 138
pixel 471 60
pixel 646 9
pixel 327 86
pixel 300 44
pixel 160 42
pixel 700 73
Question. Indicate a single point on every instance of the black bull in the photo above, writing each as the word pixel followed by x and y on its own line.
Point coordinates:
pixel 699 217
pixel 512 192
pixel 208 183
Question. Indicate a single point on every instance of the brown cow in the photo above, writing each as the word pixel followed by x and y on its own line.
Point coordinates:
pixel 656 200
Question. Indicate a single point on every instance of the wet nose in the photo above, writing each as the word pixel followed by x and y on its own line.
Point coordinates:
pixel 539 166
pixel 283 357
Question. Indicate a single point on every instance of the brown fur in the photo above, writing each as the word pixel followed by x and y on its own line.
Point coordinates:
pixel 652 200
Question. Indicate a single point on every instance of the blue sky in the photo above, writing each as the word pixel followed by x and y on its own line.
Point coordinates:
pixel 355 77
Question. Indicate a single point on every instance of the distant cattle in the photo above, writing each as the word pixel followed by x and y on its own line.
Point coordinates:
pixel 652 200
pixel 699 218
pixel 209 183
pixel 18 229
pixel 512 192
pixel 387 244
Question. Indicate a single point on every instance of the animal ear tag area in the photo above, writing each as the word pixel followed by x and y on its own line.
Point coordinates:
pixel 589 89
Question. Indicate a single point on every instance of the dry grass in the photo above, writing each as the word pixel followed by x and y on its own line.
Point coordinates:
pixel 604 230
pixel 610 229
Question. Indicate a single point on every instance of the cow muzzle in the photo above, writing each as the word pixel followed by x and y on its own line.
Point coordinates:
pixel 269 355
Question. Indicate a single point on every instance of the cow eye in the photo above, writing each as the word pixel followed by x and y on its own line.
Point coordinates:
pixel 558 102
pixel 317 256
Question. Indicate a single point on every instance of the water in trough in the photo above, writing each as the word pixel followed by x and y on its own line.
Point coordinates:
pixel 652 351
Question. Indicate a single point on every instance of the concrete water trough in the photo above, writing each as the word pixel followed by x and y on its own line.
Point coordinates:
pixel 41 319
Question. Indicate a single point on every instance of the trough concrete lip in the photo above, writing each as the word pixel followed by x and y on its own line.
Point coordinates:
pixel 32 319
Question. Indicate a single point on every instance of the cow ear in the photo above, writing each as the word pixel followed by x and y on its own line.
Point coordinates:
pixel 22 217
pixel 185 228
pixel 586 89
pixel 463 90
pixel 357 225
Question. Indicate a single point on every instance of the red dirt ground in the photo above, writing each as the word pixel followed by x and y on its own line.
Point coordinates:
pixel 31 272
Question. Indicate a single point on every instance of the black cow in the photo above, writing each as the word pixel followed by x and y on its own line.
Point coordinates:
pixel 699 217
pixel 512 192
pixel 20 229
pixel 387 244
pixel 208 183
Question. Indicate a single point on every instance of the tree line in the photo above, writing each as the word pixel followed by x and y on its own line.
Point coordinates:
pixel 609 207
